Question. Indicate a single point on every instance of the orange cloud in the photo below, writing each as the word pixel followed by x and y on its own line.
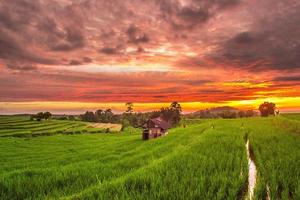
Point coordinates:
pixel 217 54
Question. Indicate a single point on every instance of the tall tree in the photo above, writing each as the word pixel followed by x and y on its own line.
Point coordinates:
pixel 267 108
pixel 172 114
pixel 108 115
pixel 39 116
pixel 176 106
pixel 89 117
pixel 47 115
pixel 100 115
pixel 129 106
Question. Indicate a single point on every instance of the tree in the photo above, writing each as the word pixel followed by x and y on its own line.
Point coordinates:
pixel 71 117
pixel 172 114
pixel 89 117
pixel 47 115
pixel 141 119
pixel 250 113
pixel 129 106
pixel 267 108
pixel 177 110
pixel 176 106
pixel 39 116
pixel 155 114
pixel 100 115
pixel 125 123
pixel 241 114
pixel 64 117
pixel 227 114
pixel 108 115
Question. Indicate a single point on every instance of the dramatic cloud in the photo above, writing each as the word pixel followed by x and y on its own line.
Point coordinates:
pixel 149 51
pixel 75 62
pixel 272 42
pixel 136 36
pixel 12 49
pixel 111 50
pixel 22 67
pixel 72 40
pixel 288 79
pixel 188 14
pixel 87 60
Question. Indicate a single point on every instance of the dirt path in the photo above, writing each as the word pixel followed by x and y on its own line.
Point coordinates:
pixel 252 172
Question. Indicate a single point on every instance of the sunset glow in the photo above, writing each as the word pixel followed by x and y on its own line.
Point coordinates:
pixel 68 57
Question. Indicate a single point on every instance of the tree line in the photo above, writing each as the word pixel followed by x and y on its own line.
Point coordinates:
pixel 226 114
pixel 171 114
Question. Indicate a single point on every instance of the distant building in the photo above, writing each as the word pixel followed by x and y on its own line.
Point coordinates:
pixel 154 128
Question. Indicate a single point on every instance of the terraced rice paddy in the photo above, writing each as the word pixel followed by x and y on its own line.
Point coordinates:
pixel 23 127
pixel 276 147
pixel 205 160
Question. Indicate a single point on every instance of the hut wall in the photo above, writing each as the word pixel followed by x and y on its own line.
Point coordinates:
pixel 154 130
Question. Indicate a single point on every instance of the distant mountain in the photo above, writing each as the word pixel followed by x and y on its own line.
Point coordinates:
pixel 221 112
pixel 218 110
pixel 224 109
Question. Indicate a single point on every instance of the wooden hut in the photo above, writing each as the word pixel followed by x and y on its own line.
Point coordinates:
pixel 154 128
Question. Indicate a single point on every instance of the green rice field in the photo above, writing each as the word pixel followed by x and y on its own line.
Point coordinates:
pixel 23 127
pixel 205 160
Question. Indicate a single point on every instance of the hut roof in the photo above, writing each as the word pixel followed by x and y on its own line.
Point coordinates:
pixel 159 122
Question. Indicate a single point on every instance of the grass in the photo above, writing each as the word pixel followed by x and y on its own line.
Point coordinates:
pixel 108 126
pixel 23 127
pixel 205 160
pixel 295 116
pixel 276 146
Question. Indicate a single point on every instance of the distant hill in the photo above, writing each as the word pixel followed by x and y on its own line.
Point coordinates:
pixel 221 112
pixel 223 109
pixel 217 110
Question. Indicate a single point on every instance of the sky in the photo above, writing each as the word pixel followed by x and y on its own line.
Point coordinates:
pixel 68 56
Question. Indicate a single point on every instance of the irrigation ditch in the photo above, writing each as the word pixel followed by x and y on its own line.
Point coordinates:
pixel 252 174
